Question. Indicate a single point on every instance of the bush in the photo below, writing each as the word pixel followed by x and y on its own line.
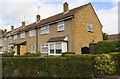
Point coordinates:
pixel 108 46
pixel 69 65
pixel 28 55
pixel 67 53
pixel 8 54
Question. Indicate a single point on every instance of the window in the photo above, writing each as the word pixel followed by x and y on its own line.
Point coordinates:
pixel 32 33
pixel 44 48
pixel 89 27
pixel 22 35
pixel 60 26
pixel 0 39
pixel 56 48
pixel 32 49
pixel 45 30
pixel 4 38
pixel 4 48
pixel 10 38
pixel 15 37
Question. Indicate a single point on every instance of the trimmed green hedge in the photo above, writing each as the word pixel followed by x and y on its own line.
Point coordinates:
pixel 67 66
pixel 108 46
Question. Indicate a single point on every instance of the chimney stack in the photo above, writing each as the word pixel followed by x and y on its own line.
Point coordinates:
pixel 37 18
pixel 65 7
pixel 12 28
pixel 5 30
pixel 23 24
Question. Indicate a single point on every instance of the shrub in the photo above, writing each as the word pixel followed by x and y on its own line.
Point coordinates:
pixel 69 65
pixel 28 55
pixel 108 46
pixel 8 54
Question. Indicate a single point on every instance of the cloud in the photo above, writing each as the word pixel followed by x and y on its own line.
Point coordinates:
pixel 12 12
pixel 109 20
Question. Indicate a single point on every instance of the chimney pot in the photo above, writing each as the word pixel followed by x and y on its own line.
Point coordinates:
pixel 37 18
pixel 23 24
pixel 65 7
pixel 12 28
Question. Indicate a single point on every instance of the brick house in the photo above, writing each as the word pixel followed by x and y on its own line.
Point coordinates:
pixel 69 31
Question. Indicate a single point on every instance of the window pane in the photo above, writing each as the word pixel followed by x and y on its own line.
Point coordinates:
pixel 61 27
pixel 52 51
pixel 58 45
pixel 58 51
pixel 51 46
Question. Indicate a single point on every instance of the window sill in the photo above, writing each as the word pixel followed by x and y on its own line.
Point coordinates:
pixel 90 31
pixel 60 30
pixel 45 34
pixel 31 36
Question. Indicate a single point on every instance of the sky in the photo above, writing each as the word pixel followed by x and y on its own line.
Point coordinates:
pixel 14 12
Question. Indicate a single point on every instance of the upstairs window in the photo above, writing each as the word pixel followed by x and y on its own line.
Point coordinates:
pixel 0 39
pixel 4 38
pixel 32 33
pixel 22 35
pixel 89 27
pixel 15 37
pixel 45 30
pixel 44 48
pixel 60 26
pixel 10 38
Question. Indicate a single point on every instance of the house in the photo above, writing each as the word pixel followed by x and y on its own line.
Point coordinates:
pixel 114 36
pixel 69 31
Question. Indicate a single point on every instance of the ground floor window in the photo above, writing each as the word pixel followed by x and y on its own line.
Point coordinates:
pixel 32 49
pixel 56 48
pixel 44 48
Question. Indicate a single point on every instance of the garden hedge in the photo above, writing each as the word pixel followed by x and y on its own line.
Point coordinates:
pixel 68 65
pixel 107 46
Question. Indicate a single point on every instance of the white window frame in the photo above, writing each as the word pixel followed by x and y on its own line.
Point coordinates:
pixel 15 37
pixel 44 46
pixel 90 25
pixel 32 33
pixel 45 28
pixel 4 38
pixel 32 50
pixel 0 39
pixel 22 35
pixel 62 48
pixel 59 25
pixel 9 38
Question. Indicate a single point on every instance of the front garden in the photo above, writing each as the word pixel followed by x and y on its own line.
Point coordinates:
pixel 86 66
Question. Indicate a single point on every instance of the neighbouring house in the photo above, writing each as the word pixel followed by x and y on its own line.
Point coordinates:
pixel 114 36
pixel 69 31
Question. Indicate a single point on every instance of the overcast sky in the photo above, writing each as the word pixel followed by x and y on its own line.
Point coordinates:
pixel 13 12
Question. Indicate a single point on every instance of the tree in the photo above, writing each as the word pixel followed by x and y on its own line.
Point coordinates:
pixel 105 36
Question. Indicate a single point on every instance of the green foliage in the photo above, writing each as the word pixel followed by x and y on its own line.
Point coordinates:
pixel 67 53
pixel 104 65
pixel 8 54
pixel 28 55
pixel 69 65
pixel 108 46
pixel 105 36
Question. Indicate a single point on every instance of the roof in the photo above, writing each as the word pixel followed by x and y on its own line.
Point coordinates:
pixel 18 43
pixel 48 20
pixel 53 18
pixel 114 36
pixel 55 39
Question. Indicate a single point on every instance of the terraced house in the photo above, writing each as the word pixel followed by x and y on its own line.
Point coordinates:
pixel 69 31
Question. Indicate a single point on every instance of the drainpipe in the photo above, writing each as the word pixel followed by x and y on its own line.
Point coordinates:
pixel 37 41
